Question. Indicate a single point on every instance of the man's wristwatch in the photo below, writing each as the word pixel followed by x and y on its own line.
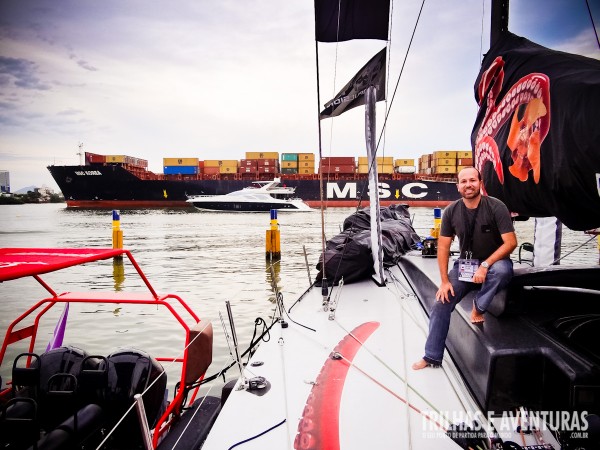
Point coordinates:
pixel 485 265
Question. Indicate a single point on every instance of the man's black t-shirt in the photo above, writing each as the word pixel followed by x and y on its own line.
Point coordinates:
pixel 492 219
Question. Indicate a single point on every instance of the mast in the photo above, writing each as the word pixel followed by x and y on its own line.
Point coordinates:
pixel 499 20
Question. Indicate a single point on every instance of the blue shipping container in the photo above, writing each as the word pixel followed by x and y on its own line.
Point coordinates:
pixel 180 170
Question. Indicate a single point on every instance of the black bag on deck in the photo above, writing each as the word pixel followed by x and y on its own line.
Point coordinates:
pixel 348 254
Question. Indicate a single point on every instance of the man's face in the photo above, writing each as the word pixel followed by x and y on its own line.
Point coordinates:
pixel 468 185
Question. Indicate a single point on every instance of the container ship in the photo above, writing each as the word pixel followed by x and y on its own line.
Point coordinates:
pixel 120 181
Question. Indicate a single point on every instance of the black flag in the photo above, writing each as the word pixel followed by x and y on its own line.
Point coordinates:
pixel 357 19
pixel 536 138
pixel 353 94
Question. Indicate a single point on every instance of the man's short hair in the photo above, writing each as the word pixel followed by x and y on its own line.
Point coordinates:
pixel 471 167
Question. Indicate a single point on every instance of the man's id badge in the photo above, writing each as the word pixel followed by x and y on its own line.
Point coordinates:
pixel 467 268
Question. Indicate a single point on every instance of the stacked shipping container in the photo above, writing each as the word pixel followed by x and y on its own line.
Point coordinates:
pixel 437 163
pixel 445 162
pixel 338 165
pixel 180 166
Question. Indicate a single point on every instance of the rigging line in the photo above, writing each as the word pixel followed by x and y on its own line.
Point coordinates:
pixel 250 347
pixel 481 37
pixel 572 251
pixel 389 60
pixel 281 343
pixel 449 369
pixel 196 411
pixel 164 369
pixel 387 113
pixel 400 75
pixel 468 407
pixel 258 435
pixel 592 19
pixel 405 363
pixel 387 366
pixel 387 389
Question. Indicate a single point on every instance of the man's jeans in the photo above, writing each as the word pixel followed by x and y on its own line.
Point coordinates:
pixel 498 276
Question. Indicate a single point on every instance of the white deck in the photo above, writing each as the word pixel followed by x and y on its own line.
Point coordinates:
pixel 374 409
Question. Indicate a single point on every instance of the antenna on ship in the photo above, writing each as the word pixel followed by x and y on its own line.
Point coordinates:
pixel 80 153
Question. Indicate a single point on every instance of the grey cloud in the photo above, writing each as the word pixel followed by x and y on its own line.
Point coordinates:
pixel 82 63
pixel 22 71
pixel 86 65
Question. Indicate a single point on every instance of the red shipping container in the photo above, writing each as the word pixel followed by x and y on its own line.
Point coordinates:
pixel 248 163
pixel 347 168
pixel 268 162
pixel 247 170
pixel 201 164
pixel 94 158
pixel 267 169
pixel 338 161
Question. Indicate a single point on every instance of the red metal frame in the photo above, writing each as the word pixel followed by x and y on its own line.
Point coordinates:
pixel 14 334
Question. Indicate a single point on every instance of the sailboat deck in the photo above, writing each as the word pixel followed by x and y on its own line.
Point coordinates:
pixel 368 398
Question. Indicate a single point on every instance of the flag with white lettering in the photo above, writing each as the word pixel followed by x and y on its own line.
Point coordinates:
pixel 353 94
pixel 344 20
pixel 536 138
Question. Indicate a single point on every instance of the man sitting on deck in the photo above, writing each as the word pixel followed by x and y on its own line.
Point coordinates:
pixel 487 238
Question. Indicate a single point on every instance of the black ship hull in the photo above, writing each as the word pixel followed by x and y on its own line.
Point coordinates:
pixel 113 186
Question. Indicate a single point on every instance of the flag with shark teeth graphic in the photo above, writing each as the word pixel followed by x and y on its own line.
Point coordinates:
pixel 536 139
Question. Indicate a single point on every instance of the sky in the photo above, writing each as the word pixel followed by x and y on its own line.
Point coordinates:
pixel 214 79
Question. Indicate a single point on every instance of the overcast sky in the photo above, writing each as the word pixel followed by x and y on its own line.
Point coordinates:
pixel 214 79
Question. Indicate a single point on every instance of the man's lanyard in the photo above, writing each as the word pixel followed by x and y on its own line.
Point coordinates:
pixel 470 230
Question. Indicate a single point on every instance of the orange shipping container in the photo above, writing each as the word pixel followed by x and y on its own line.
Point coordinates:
pixel 306 171
pixel 444 154
pixel 404 162
pixel 444 162
pixel 262 155
pixel 221 162
pixel 228 169
pixel 306 156
pixel 444 169
pixel 211 170
pixel 289 164
pixel 180 161
pixel 465 154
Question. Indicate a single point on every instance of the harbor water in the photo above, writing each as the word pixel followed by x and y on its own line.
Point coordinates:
pixel 206 258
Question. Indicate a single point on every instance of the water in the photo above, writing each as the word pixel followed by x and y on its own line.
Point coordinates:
pixel 206 258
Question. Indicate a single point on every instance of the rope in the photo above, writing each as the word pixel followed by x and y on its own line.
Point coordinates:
pixel 410 405
pixel 258 435
pixel 592 19
pixel 572 251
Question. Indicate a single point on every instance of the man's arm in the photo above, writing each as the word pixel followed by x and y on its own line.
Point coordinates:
pixel 509 243
pixel 443 255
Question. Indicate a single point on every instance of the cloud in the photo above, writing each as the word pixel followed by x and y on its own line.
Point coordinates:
pixel 82 63
pixel 22 71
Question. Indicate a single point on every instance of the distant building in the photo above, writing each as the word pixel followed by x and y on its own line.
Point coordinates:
pixel 4 181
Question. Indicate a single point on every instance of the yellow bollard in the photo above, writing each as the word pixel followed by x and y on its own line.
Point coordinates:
pixel 117 233
pixel 437 223
pixel 272 244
